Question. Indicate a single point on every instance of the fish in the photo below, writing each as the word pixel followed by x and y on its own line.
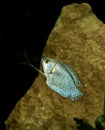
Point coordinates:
pixel 61 78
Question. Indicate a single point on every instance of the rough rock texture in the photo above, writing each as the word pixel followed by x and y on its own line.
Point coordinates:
pixel 78 39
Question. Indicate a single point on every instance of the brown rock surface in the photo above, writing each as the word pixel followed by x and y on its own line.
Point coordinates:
pixel 78 39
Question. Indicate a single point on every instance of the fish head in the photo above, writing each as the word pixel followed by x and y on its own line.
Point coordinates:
pixel 48 65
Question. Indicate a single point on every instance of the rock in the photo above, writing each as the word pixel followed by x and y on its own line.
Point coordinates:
pixel 78 38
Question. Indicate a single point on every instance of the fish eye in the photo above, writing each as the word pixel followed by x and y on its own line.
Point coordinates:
pixel 47 61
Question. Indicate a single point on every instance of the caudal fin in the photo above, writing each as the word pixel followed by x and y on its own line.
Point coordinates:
pixel 75 95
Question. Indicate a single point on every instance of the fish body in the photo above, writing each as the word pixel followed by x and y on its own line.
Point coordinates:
pixel 61 78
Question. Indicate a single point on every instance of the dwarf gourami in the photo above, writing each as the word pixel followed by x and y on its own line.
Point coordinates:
pixel 61 78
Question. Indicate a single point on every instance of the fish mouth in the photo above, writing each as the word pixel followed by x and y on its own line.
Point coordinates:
pixel 43 59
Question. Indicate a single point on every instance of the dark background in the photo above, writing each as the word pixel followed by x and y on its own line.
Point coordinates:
pixel 26 29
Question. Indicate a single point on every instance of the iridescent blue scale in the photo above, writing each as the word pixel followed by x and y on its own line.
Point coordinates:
pixel 61 78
